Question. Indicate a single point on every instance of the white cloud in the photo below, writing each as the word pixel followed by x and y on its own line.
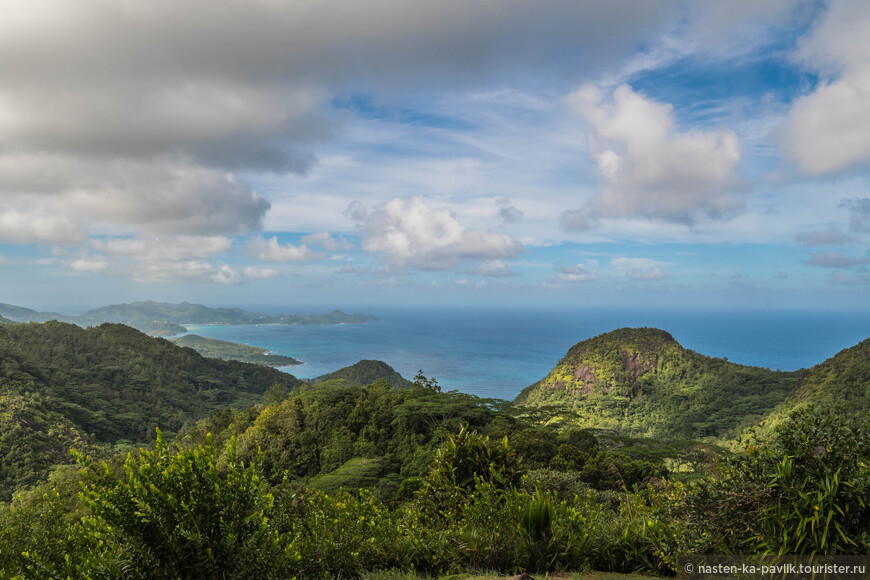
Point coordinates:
pixel 829 129
pixel 643 269
pixel 410 233
pixel 167 258
pixel 351 269
pixel 828 237
pixel 508 212
pixel 845 279
pixel 834 259
pixel 326 241
pixel 38 225
pixel 272 251
pixel 860 209
pixel 90 264
pixel 492 269
pixel 225 275
pixel 574 220
pixel 165 249
pixel 3 260
pixel 66 196
pixel 254 273
pixel 574 274
pixel 647 168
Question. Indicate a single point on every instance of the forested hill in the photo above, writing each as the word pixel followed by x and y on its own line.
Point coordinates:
pixel 641 381
pixel 60 383
pixel 214 348
pixel 366 372
pixel 166 319
pixel 842 381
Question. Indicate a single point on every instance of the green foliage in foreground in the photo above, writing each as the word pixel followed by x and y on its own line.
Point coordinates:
pixel 202 513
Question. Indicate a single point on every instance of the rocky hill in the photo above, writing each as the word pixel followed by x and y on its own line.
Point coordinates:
pixel 642 382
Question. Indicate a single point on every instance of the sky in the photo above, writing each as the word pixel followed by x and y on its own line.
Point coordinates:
pixel 327 153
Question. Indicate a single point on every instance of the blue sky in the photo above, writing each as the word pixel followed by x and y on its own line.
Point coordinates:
pixel 338 153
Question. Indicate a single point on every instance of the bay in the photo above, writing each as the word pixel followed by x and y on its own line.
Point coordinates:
pixel 496 352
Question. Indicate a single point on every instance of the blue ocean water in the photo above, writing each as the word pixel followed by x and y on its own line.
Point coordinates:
pixel 498 352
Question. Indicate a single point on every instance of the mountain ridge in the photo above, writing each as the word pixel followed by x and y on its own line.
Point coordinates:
pixel 166 319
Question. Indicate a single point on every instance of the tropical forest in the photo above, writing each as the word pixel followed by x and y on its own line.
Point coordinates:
pixel 124 455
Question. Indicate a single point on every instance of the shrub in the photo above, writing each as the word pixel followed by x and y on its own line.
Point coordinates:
pixel 181 515
pixel 806 490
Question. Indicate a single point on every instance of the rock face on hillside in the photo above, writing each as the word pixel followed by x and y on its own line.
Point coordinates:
pixel 641 381
pixel 365 372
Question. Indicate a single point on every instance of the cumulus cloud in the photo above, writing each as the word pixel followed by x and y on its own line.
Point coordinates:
pixel 90 264
pixel 647 168
pixel 829 129
pixel 256 273
pixel 326 241
pixel 643 269
pixel 410 233
pixel 352 269
pixel 23 225
pixel 860 209
pixel 574 220
pixel 574 274
pixel 168 249
pixel 273 251
pixel 834 259
pixel 508 213
pixel 492 269
pixel 58 198
pixel 829 237
pixel 162 259
pixel 846 279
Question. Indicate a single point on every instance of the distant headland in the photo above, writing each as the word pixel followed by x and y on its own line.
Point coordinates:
pixel 164 319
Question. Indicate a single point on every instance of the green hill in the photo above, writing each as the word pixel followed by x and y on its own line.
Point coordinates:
pixel 366 372
pixel 642 382
pixel 842 382
pixel 18 313
pixel 61 384
pixel 213 348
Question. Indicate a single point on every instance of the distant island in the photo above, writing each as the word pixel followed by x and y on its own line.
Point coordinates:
pixel 222 349
pixel 164 319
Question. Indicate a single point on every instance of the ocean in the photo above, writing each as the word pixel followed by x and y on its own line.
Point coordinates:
pixel 497 352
